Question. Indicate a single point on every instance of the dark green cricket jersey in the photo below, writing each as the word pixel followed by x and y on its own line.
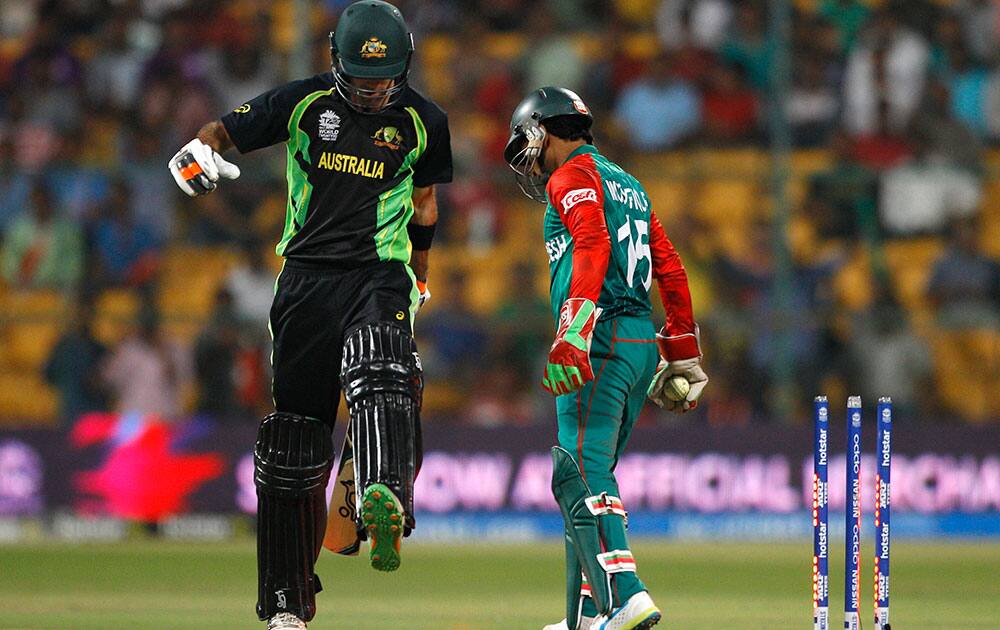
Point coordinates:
pixel 350 175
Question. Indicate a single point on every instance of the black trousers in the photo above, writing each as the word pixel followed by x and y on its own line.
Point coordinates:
pixel 314 310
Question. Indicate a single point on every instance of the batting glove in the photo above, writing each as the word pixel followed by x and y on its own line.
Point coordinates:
pixel 568 367
pixel 680 355
pixel 425 294
pixel 196 168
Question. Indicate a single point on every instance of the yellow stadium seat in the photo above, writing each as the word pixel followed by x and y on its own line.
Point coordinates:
pixel 805 163
pixel 17 304
pixel 28 344
pixel 989 230
pixel 114 315
pixel 29 326
pixel 670 198
pixel 24 396
pixel 674 165
pixel 191 278
pixel 743 163
pixel 853 284
pixel 726 201
pixel 971 393
pixel 486 285
pixel 506 46
pixel 910 264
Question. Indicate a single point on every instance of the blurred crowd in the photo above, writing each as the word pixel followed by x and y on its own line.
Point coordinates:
pixel 883 277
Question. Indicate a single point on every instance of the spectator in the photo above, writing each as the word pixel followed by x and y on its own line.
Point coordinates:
pixel 922 195
pixel 693 23
pixel 215 357
pixel 15 184
pixel 659 111
pixel 748 45
pixel 729 107
pixel 812 105
pixel 842 198
pixel 965 283
pixel 48 77
pixel 115 73
pixel 751 277
pixel 922 198
pixel 42 249
pixel 847 16
pixel 980 20
pixel 883 147
pixel 616 68
pixel 147 372
pixel 887 65
pixel 968 84
pixel 245 67
pixel 552 57
pixel 457 333
pixel 73 367
pixel 889 357
pixel 940 137
pixel 152 196
pixel 523 325
pixel 502 15
pixel 125 250
pixel 251 285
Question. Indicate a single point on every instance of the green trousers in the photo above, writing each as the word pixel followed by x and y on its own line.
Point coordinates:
pixel 595 422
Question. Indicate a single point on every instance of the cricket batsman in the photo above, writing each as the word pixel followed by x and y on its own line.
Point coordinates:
pixel 364 153
pixel 605 245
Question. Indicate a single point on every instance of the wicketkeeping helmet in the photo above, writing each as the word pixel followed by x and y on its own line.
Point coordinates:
pixel 372 41
pixel 524 148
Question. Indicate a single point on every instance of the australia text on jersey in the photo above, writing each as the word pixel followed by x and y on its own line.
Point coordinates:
pixel 344 163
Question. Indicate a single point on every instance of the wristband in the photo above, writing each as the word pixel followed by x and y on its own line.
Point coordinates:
pixel 678 347
pixel 421 236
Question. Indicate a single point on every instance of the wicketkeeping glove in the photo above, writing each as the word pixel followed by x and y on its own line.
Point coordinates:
pixel 196 168
pixel 680 355
pixel 568 368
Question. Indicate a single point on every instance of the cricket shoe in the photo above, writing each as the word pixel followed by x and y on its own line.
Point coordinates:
pixel 382 518
pixel 285 621
pixel 638 613
pixel 585 624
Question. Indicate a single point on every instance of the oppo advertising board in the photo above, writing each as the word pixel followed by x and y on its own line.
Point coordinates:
pixel 750 482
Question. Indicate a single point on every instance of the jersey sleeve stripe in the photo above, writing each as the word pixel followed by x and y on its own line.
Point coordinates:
pixel 417 151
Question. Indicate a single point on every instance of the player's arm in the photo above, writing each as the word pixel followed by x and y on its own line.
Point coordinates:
pixel 433 167
pixel 199 164
pixel 259 123
pixel 678 341
pixel 577 194
pixel 421 231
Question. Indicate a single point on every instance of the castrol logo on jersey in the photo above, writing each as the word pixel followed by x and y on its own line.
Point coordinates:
pixel 577 196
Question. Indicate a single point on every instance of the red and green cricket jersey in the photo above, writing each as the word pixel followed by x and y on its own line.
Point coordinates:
pixel 606 244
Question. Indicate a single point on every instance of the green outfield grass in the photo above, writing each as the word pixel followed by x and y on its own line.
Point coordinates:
pixel 171 585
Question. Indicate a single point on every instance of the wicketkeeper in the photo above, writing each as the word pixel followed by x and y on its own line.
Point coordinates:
pixel 605 247
pixel 365 152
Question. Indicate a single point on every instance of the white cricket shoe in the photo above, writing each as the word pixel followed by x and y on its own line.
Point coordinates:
pixel 285 621
pixel 638 613
pixel 585 624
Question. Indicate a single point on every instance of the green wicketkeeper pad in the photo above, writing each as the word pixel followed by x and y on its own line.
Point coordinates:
pixel 581 509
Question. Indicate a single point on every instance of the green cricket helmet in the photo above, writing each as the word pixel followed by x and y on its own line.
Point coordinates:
pixel 527 134
pixel 372 41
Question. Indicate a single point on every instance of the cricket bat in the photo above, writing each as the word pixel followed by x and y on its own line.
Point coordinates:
pixel 341 520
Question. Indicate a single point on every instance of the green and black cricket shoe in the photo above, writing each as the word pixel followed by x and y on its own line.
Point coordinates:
pixel 382 517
